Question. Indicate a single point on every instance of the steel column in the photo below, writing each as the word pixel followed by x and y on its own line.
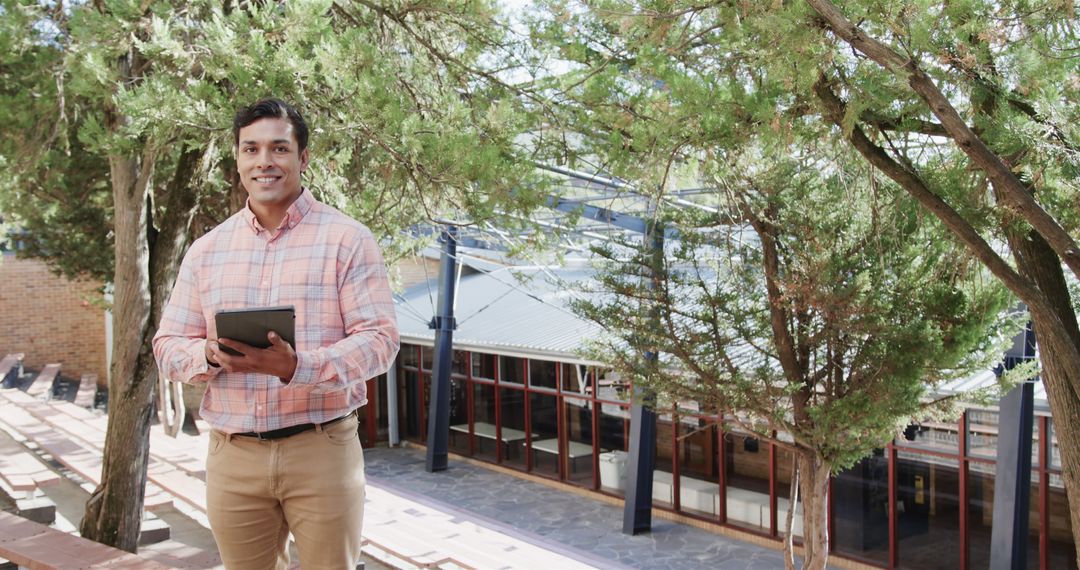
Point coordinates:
pixel 444 325
pixel 1012 479
pixel 637 510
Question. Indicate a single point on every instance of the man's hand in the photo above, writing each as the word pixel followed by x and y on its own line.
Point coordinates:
pixel 278 360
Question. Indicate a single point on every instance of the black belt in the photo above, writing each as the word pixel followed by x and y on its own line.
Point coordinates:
pixel 289 431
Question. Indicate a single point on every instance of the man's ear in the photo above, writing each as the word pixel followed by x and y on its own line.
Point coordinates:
pixel 303 160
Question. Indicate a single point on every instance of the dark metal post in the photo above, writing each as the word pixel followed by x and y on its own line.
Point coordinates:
pixel 637 511
pixel 1012 480
pixel 444 325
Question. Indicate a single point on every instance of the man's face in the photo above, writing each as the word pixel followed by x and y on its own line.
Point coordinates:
pixel 270 163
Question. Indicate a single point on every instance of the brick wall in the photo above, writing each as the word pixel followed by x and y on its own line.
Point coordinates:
pixel 412 271
pixel 49 319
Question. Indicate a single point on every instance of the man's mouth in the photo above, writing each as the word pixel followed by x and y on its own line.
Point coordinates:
pixel 266 179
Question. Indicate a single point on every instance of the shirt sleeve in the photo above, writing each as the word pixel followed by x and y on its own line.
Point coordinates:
pixel 371 334
pixel 181 335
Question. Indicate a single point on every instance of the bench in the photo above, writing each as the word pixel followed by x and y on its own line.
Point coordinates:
pixel 11 367
pixel 42 386
pixel 484 430
pixel 23 475
pixel 66 447
pixel 87 390
pixel 574 451
pixel 34 545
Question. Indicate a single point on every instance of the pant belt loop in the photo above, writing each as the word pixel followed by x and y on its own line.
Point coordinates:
pixel 318 428
pixel 228 438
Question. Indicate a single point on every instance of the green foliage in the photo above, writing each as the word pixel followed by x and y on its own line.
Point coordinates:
pixel 878 300
pixel 403 129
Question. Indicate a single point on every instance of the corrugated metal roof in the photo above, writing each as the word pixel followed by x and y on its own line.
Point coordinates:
pixel 498 313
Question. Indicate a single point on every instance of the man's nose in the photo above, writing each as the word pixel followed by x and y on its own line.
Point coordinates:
pixel 264 159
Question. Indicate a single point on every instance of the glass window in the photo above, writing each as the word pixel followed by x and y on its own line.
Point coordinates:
pixel 785 461
pixel 427 357
pixel 411 405
pixel 699 469
pixel 512 370
pixel 980 509
pixel 982 433
pixel 1062 550
pixel 746 465
pixel 663 489
pixel 483 365
pixel 614 433
pixel 577 421
pixel 928 511
pixel 459 416
pixel 942 437
pixel 860 510
pixel 460 366
pixel 512 409
pixel 545 440
pixel 542 374
pixel 611 386
pixel 1055 453
pixel 483 421
pixel 575 379
pixel 410 355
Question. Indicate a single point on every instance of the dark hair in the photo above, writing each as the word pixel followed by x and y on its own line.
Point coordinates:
pixel 275 108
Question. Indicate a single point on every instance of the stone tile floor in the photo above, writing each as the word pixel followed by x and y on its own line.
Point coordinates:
pixel 578 527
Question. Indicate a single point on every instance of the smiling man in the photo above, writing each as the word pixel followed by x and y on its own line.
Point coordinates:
pixel 284 453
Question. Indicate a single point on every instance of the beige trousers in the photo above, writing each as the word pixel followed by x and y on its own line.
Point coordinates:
pixel 310 484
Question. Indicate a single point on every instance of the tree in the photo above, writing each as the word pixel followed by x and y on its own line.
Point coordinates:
pixel 404 129
pixel 965 106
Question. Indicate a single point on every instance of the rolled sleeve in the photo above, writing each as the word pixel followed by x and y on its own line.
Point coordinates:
pixel 181 335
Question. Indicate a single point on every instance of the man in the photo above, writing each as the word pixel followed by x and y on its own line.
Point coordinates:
pixel 284 453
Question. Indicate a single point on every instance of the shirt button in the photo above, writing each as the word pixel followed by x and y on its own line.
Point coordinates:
pixel 265 283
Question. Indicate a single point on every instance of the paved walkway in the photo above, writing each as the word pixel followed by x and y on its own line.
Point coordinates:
pixel 488 503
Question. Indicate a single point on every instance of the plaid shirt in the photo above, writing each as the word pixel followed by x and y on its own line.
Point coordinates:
pixel 328 266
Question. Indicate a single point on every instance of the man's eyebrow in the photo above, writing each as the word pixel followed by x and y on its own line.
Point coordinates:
pixel 275 141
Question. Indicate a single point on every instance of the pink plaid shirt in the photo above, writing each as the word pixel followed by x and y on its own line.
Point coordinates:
pixel 323 262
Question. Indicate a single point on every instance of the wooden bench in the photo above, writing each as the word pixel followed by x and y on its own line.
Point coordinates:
pixel 69 449
pixel 11 367
pixel 42 385
pixel 87 389
pixel 38 547
pixel 22 476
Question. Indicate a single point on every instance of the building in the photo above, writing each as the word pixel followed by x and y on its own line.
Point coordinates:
pixel 523 398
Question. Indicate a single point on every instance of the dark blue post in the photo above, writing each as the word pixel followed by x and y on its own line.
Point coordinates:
pixel 637 511
pixel 444 325
pixel 1012 480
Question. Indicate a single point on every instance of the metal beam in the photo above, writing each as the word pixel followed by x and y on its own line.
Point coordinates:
pixel 444 325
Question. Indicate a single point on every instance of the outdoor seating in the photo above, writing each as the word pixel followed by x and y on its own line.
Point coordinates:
pixel 43 383
pixel 11 367
pixel 33 545
pixel 87 389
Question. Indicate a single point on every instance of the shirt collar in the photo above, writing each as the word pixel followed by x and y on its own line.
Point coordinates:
pixel 296 212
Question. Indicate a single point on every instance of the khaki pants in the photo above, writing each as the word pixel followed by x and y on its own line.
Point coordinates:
pixel 310 484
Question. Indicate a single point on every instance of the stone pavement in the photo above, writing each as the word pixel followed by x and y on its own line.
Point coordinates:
pixel 579 528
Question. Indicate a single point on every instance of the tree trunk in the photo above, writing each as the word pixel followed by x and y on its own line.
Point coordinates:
pixel 114 511
pixel 143 280
pixel 1059 341
pixel 814 487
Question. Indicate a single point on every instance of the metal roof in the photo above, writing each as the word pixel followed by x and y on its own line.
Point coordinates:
pixel 497 313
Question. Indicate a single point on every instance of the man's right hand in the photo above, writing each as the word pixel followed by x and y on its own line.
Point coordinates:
pixel 210 359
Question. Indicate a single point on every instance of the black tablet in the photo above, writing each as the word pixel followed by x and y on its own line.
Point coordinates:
pixel 250 326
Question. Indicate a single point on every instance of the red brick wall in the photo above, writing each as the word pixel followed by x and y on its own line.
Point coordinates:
pixel 49 319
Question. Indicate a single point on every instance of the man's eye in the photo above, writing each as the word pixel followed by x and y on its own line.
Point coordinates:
pixel 283 149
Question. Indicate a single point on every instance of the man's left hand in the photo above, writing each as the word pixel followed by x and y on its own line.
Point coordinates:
pixel 277 360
